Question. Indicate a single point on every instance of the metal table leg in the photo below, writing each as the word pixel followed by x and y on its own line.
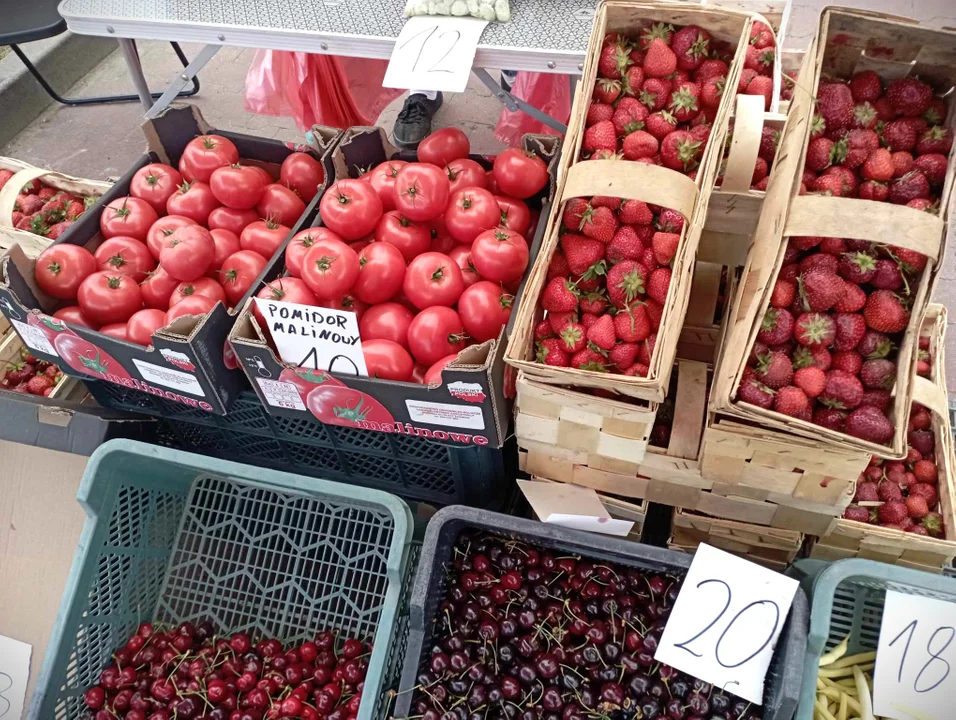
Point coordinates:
pixel 136 71
pixel 176 86
pixel 515 103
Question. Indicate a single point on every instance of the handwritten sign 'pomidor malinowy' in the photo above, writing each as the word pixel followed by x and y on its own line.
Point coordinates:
pixel 313 337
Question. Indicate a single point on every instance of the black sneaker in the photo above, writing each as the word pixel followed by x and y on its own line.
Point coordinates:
pixel 414 122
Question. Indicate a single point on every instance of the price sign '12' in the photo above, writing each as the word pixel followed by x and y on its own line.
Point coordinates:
pixel 434 53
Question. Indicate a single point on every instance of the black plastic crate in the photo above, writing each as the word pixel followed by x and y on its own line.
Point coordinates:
pixel 414 468
pixel 782 689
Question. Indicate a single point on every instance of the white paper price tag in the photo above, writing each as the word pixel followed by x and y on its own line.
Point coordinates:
pixel 915 674
pixel 726 621
pixel 434 53
pixel 313 337
pixel 14 674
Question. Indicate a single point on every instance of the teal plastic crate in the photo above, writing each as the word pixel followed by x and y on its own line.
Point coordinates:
pixel 847 599
pixel 174 537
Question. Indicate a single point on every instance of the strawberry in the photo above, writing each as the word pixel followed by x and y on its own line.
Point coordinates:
pixel 690 44
pixel 884 312
pixel 774 370
pixel 933 167
pixel 857 267
pixel 860 145
pixel 812 380
pixel 933 523
pixel 935 114
pixel 28 204
pixel 866 86
pixel 760 171
pixel 629 116
pixel 632 323
pixel 849 331
pixel 5 175
pixel 633 80
pixel 635 212
pixel 756 393
pixel 74 210
pixel 817 127
pixel 58 229
pixel 848 361
pixel 655 93
pixel 761 85
pixel 558 267
pixel 625 282
pixel 819 154
pixel 639 144
pixel 917 507
pixel 659 60
pixel 670 221
pixel 835 105
pixel 38 383
pixel 684 104
pixel 581 252
pixel 759 59
pixel 590 358
pixel 622 355
pixel 857 514
pixel 926 472
pixel 711 68
pixel 814 330
pixel 831 185
pixel 549 353
pixel 657 31
pixel 879 399
pixel 665 246
pixel 559 296
pixel 791 401
pixel 909 261
pixel 879 374
pixel 926 491
pixel 879 166
pixel 783 293
pixel 830 418
pixel 761 36
pixel 821 261
pixel 658 284
pixel 819 288
pixel 908 96
pixel 599 223
pixel 864 116
pixel 769 140
pixel 613 61
pixel 598 112
pixel 843 390
pixel 625 245
pixel 902 163
pixel 572 338
pixel 899 136
pixel 872 190
pixel 679 151
pixel 543 330
pixel 594 303
pixel 833 246
pixel 805 242
pixel 601 333
pixel 777 326
pixel 892 512
pixel 600 136
pixel 922 440
pixel 655 311
pixel 935 140
pixel 606 91
pixel 887 276
pixel 573 214
pixel 648 259
pixel 660 124
pixel 587 320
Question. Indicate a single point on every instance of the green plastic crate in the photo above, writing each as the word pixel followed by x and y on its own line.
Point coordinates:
pixel 847 599
pixel 174 537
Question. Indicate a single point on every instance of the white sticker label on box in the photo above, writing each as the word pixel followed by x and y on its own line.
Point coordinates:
pixel 167 377
pixel 281 394
pixel 726 621
pixel 445 414
pixel 14 674
pixel 434 53
pixel 34 338
pixel 914 677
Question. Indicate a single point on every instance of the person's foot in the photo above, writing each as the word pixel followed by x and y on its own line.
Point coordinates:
pixel 414 122
pixel 508 78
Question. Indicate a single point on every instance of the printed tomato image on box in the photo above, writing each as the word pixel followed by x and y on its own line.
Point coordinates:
pixel 392 312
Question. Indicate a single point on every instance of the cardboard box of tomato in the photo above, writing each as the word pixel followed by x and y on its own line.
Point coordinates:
pixel 464 401
pixel 187 358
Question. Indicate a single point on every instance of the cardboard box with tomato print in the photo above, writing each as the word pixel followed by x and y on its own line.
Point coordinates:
pixel 469 405
pixel 189 360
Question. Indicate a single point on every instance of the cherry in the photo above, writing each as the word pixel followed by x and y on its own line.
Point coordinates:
pixel 510 688
pixel 352 649
pixel 94 697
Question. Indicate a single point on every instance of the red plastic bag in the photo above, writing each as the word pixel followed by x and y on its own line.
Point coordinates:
pixel 546 91
pixel 317 89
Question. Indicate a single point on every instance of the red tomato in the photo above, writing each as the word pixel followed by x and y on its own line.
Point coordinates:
pixel 302 173
pixel 108 298
pixel 461 254
pixel 234 221
pixel 443 146
pixel 411 238
pixel 346 303
pixel 288 289
pixel 484 309
pixel 350 208
pixel 281 204
pixel 193 200
pixel 238 273
pixel 187 253
pixel 434 333
pixel 381 272
pixel 330 268
pixel 470 212
pixel 226 243
pixel 115 330
pixel 205 286
pixel 237 186
pixel 306 380
pixel 433 279
pixel 267 179
pixel 464 173
pixel 264 237
pixel 500 255
pixel 359 245
pixel 195 305
pixel 300 244
pixel 142 325
pixel 418 373
pixel 74 315
pixel 421 191
pixel 154 184
pixel 204 154
pixel 388 321
pixel 387 360
pixel 61 268
pixel 229 358
pixel 127 216
pixel 515 214
pixel 162 229
pixel 433 374
pixel 492 184
pixel 382 179
pixel 125 255
pixel 443 244
pixel 520 174
pixel 341 405
pixel 157 289
pixel 83 356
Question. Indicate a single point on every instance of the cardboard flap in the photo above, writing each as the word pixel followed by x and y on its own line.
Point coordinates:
pixel 634 181
pixel 745 144
pixel 54 416
pixel 865 220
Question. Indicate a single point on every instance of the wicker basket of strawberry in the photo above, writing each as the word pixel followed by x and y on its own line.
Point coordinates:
pixel 37 206
pixel 21 372
pixel 825 330
pixel 902 511
pixel 613 277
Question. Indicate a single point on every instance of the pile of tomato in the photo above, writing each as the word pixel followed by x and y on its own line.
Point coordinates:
pixel 428 254
pixel 183 240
